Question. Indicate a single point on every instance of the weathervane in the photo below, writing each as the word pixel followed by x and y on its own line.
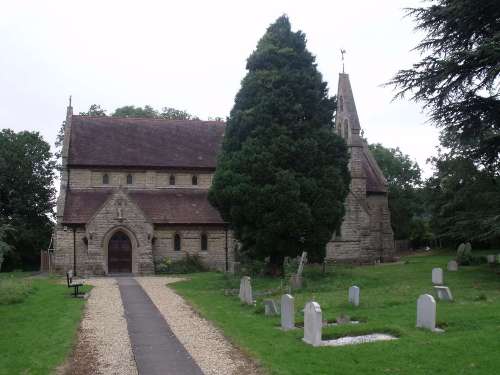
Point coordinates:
pixel 342 51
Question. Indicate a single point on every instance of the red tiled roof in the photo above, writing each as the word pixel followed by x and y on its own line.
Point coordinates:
pixel 142 142
pixel 169 206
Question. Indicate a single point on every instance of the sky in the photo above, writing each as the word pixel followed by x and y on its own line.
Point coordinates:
pixel 191 55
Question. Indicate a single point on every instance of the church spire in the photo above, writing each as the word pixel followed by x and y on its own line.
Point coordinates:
pixel 347 121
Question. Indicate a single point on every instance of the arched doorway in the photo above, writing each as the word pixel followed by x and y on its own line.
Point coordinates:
pixel 119 253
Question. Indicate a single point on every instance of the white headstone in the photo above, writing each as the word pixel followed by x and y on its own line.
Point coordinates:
pixel 437 276
pixel 426 312
pixel 270 307
pixel 287 312
pixel 246 290
pixel 313 322
pixel 491 258
pixel 443 293
pixel 452 265
pixel 354 295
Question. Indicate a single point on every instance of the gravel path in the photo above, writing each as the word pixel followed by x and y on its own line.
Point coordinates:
pixel 103 332
pixel 206 344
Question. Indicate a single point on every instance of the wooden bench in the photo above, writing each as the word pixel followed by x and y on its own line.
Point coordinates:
pixel 72 284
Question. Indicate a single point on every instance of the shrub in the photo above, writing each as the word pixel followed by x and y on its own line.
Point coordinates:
pixel 189 264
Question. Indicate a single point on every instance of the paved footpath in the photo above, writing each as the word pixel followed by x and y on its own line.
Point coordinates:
pixel 156 349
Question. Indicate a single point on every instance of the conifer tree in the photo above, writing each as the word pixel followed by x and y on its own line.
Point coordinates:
pixel 282 174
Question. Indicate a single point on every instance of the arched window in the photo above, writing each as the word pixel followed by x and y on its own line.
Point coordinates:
pixel 177 242
pixel 346 129
pixel 130 179
pixel 204 242
pixel 105 179
pixel 194 180
pixel 172 179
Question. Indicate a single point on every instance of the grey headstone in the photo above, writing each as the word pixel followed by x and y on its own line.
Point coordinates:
pixel 296 281
pixel 452 265
pixel 491 258
pixel 270 307
pixel 443 293
pixel 437 276
pixel 426 312
pixel 354 295
pixel 246 290
pixel 303 260
pixel 287 312
pixel 313 322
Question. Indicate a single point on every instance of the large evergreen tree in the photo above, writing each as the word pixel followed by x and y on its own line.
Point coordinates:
pixel 458 77
pixel 282 174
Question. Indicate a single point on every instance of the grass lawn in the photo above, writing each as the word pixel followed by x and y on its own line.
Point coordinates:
pixel 38 326
pixel 470 345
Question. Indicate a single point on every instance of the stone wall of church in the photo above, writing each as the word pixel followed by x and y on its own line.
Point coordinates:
pixel 80 178
pixel 215 255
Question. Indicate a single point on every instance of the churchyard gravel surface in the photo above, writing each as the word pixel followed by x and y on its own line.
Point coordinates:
pixel 206 344
pixel 103 343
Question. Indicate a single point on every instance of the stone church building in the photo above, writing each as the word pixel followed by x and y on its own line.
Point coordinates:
pixel 134 191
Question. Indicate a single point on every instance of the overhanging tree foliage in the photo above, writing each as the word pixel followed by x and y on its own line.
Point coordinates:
pixel 457 79
pixel 282 176
pixel 26 195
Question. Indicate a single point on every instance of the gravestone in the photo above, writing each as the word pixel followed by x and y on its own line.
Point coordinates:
pixel 270 307
pixel 491 258
pixel 443 293
pixel 426 312
pixel 246 290
pixel 313 322
pixel 287 312
pixel 296 279
pixel 452 265
pixel 354 295
pixel 437 276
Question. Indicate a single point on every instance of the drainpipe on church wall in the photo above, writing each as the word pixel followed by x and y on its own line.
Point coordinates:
pixel 74 250
pixel 227 255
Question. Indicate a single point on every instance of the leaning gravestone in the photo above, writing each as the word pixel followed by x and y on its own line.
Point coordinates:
pixel 296 279
pixel 452 265
pixel 246 290
pixel 426 312
pixel 287 312
pixel 443 293
pixel 270 307
pixel 313 322
pixel 437 276
pixel 354 295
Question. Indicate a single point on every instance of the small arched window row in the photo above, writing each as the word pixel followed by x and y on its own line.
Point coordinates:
pixel 204 242
pixel 177 242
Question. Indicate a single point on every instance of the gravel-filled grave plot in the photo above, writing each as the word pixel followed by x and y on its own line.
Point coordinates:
pixel 103 343
pixel 205 343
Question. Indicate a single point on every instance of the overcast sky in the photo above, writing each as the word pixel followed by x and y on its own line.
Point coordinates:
pixel 191 55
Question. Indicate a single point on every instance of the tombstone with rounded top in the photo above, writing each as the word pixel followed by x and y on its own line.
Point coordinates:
pixel 437 276
pixel 426 312
pixel 246 290
pixel 354 295
pixel 287 312
pixel 490 258
pixel 313 322
pixel 452 265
